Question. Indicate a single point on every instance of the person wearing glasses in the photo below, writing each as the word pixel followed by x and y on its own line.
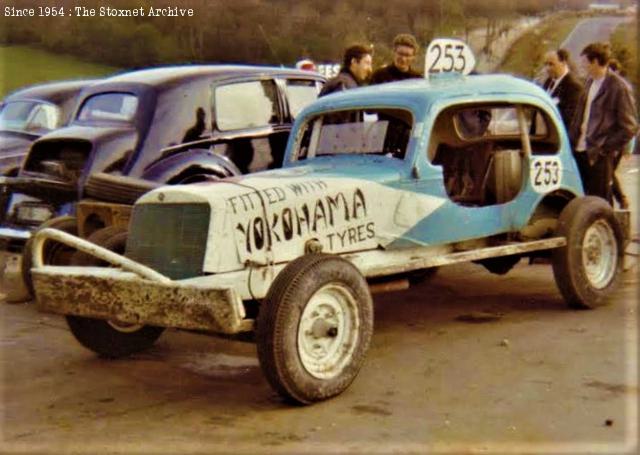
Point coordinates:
pixel 405 48
pixel 561 84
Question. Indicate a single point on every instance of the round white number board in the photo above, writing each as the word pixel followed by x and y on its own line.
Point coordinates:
pixel 447 55
pixel 545 173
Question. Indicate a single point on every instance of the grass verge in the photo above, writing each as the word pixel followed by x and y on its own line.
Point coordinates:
pixel 21 66
pixel 624 43
pixel 525 56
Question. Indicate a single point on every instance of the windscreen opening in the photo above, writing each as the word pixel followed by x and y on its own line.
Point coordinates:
pixel 383 132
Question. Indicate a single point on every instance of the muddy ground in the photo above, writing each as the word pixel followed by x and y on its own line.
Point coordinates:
pixel 468 363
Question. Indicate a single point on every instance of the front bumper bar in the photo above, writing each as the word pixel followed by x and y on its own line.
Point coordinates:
pixel 133 294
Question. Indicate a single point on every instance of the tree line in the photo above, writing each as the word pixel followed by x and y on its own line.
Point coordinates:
pixel 258 31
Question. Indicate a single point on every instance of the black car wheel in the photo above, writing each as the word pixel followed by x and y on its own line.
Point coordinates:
pixel 111 339
pixel 54 253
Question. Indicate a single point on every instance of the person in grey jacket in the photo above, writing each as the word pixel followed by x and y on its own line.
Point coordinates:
pixel 603 123
pixel 356 69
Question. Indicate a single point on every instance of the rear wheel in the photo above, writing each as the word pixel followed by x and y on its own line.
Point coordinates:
pixel 587 269
pixel 314 328
pixel 54 253
pixel 110 338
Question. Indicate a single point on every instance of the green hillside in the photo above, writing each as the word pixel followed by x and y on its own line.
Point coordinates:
pixel 21 66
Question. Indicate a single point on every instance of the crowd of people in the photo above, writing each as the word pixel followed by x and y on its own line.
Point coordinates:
pixel 599 113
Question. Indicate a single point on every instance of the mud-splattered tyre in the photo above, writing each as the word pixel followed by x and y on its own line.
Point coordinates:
pixel 110 338
pixel 314 328
pixel 54 253
pixel 587 269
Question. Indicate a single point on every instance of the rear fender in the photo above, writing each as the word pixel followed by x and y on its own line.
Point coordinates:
pixel 186 163
pixel 544 219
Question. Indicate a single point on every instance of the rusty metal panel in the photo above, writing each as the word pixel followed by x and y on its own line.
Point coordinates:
pixel 110 214
pixel 111 294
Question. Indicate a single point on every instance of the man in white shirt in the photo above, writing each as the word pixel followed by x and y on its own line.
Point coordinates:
pixel 604 121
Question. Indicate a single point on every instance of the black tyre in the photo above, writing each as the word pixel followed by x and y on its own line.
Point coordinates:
pixel 500 265
pixel 422 276
pixel 111 237
pixel 314 328
pixel 55 253
pixel 588 268
pixel 110 338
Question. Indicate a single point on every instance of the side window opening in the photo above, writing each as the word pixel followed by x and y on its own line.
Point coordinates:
pixel 244 105
pixel 300 93
pixel 481 150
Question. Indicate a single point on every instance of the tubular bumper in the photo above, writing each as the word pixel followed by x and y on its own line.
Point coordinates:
pixel 133 294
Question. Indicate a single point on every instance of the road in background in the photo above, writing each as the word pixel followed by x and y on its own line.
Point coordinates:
pixel 589 31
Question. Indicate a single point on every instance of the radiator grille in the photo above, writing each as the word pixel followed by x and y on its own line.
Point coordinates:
pixel 169 238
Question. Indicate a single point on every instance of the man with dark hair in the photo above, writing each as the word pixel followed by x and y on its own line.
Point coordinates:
pixel 561 84
pixel 405 48
pixel 355 70
pixel 604 121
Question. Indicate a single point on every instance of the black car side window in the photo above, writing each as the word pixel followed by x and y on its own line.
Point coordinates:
pixel 246 105
pixel 300 93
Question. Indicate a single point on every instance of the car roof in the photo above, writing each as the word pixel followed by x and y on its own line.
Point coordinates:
pixel 170 74
pixel 423 91
pixel 52 91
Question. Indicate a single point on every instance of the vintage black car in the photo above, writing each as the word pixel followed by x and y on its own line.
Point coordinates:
pixel 27 114
pixel 175 124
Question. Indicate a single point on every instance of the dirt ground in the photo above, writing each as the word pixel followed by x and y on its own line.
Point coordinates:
pixel 469 363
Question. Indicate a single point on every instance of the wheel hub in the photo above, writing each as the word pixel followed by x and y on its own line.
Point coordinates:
pixel 124 327
pixel 322 328
pixel 599 254
pixel 328 331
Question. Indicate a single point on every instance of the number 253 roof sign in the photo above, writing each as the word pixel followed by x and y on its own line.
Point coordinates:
pixel 445 55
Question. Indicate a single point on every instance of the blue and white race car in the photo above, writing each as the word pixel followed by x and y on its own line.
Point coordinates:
pixel 380 185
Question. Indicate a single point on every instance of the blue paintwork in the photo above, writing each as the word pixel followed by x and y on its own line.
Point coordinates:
pixel 426 99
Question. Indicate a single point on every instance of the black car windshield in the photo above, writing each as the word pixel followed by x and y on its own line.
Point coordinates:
pixel 30 116
pixel 383 132
pixel 118 107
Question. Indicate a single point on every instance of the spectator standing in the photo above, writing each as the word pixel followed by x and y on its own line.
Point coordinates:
pixel 355 70
pixel 616 187
pixel 405 48
pixel 561 84
pixel 604 121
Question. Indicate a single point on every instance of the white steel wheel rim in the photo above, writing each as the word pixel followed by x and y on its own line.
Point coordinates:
pixel 599 254
pixel 124 327
pixel 328 331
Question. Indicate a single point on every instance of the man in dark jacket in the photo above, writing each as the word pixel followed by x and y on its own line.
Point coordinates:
pixel 356 69
pixel 562 85
pixel 405 47
pixel 604 121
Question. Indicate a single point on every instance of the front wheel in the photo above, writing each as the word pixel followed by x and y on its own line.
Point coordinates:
pixel 587 269
pixel 111 339
pixel 54 253
pixel 314 328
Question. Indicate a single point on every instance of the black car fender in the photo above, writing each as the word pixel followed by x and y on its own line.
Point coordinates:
pixel 190 165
